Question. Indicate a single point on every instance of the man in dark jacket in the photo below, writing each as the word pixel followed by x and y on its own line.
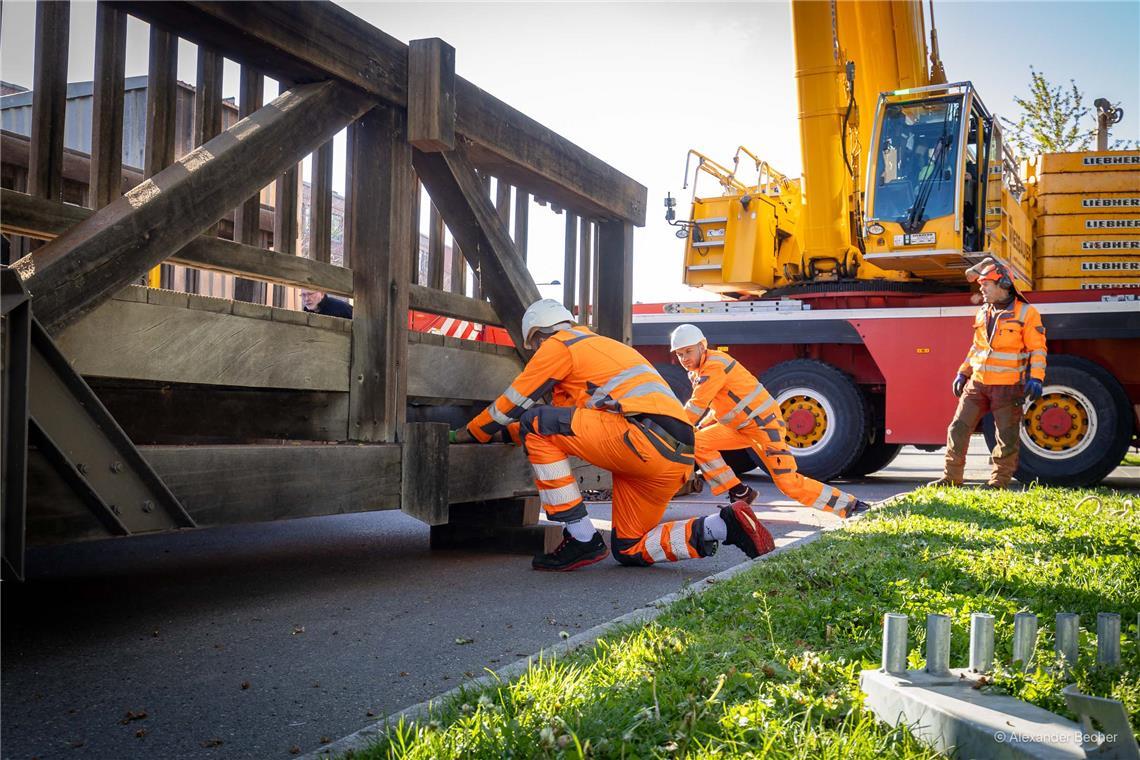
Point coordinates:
pixel 321 303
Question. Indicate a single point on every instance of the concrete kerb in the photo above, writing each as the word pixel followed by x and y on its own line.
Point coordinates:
pixel 370 734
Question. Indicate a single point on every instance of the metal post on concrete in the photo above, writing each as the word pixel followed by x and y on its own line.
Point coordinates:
pixel 981 642
pixel 937 644
pixel 1068 636
pixel 1024 637
pixel 894 642
pixel 1107 638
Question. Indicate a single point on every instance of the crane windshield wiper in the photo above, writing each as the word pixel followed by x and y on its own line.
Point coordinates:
pixel 914 217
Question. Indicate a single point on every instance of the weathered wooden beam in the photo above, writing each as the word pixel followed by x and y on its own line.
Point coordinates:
pixel 431 95
pixel 161 102
pixel 286 213
pixel 447 304
pixel 380 224
pixel 452 370
pixel 458 268
pixel 473 221
pixel 414 220
pixel 503 203
pixel 208 96
pixel 49 100
pixel 314 41
pixel 15 150
pixel 247 216
pixel 320 205
pixel 21 214
pixel 522 220
pixel 106 170
pixel 423 492
pixel 570 262
pixel 97 257
pixel 615 281
pixel 585 276
pixel 435 249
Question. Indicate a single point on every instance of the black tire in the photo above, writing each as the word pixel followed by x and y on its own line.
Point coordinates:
pixel 741 460
pixel 1102 454
pixel 678 380
pixel 848 431
pixel 875 457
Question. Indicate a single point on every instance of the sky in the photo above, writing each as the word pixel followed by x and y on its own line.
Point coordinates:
pixel 639 84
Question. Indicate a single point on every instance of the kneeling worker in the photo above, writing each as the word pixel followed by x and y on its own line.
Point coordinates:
pixel 744 415
pixel 611 408
pixel 1009 343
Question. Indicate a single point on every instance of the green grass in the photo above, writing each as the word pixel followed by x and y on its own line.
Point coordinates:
pixel 767 664
pixel 1131 458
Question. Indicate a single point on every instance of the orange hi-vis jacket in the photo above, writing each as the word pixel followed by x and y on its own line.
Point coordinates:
pixel 583 370
pixel 737 398
pixel 1007 343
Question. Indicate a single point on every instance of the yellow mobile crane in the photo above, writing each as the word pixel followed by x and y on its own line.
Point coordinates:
pixel 844 289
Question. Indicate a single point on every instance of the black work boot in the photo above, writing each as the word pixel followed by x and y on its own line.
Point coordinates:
pixel 857 507
pixel 741 492
pixel 745 531
pixel 571 554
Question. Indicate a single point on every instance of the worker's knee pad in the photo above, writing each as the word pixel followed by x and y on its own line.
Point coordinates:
pixel 620 545
pixel 547 420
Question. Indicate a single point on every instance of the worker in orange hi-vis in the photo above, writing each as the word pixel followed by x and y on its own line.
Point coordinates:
pixel 612 409
pixel 1004 366
pixel 734 411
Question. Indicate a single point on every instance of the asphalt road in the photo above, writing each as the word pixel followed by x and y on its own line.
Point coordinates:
pixel 257 640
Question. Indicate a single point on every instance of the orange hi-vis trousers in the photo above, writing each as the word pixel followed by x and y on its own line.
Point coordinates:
pixel 769 443
pixel 645 478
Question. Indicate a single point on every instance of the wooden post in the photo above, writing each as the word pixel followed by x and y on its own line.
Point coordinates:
pixel 49 100
pixel 585 277
pixel 247 217
pixel 287 205
pixel 570 262
pixel 95 258
pixel 414 258
pixel 207 124
pixel 424 466
pixel 161 100
pixel 431 95
pixel 106 174
pixel 379 217
pixel 320 205
pixel 522 220
pixel 503 203
pixel 615 280
pixel 435 249
pixel 458 268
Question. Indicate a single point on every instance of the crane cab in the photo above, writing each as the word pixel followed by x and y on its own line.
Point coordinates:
pixel 937 181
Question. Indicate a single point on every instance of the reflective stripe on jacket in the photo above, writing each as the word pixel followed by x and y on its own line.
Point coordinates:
pixel 581 369
pixel 1008 345
pixel 736 397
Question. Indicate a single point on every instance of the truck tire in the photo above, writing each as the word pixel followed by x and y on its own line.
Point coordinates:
pixel 875 457
pixel 825 412
pixel 1078 431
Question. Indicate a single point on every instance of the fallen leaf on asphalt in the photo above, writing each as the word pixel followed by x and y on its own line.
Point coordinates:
pixel 983 681
pixel 212 743
pixel 325 740
pixel 154 633
pixel 403 673
pixel 140 715
pixel 370 714
pixel 464 641
pixel 294 750
pixel 245 685
pixel 316 684
pixel 298 629
pixel 140 733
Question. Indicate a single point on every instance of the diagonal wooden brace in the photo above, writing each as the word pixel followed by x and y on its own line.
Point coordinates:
pixel 458 194
pixel 97 257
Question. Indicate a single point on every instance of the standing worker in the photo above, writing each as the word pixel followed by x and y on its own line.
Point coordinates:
pixel 743 416
pixel 611 408
pixel 1009 339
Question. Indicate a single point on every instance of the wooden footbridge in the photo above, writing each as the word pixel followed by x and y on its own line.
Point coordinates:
pixel 129 409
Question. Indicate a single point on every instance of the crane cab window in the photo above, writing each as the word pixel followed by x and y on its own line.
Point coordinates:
pixel 917 160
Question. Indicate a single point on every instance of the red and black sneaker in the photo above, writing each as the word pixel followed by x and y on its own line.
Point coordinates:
pixel 571 554
pixel 745 531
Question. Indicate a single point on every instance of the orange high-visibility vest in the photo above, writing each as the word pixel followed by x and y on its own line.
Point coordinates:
pixel 736 397
pixel 1008 348
pixel 581 369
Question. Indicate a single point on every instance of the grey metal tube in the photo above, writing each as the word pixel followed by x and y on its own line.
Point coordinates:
pixel 1068 636
pixel 894 642
pixel 1107 638
pixel 937 644
pixel 1024 637
pixel 981 642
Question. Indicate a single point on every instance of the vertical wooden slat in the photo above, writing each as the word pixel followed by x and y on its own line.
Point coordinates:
pixel 503 203
pixel 207 125
pixel 287 205
pixel 382 198
pixel 247 216
pixel 161 100
pixel 320 206
pixel 106 174
pixel 595 267
pixel 458 269
pixel 570 262
pixel 522 220
pixel 49 100
pixel 615 280
pixel 414 257
pixel 435 249
pixel 477 278
pixel 585 278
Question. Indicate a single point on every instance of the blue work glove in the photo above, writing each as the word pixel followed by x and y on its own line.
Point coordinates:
pixel 960 384
pixel 1033 389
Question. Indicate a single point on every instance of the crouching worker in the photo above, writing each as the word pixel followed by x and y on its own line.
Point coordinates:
pixel 1004 366
pixel 743 415
pixel 612 409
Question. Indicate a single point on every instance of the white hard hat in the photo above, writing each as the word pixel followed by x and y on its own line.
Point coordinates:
pixel 543 314
pixel 685 336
